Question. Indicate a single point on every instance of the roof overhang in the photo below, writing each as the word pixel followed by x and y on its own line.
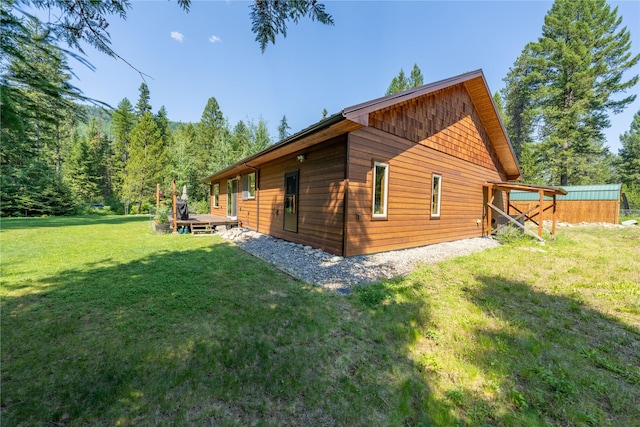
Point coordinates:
pixel 331 127
pixel 477 88
pixel 357 116
pixel 546 190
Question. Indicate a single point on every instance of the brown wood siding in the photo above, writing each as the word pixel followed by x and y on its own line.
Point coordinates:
pixel 577 211
pixel 247 209
pixel 409 221
pixel 320 196
pixel 446 121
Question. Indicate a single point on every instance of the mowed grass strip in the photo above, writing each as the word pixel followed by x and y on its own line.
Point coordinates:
pixel 106 323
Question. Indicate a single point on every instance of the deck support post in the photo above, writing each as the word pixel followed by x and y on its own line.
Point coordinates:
pixel 157 198
pixel 175 207
pixel 540 212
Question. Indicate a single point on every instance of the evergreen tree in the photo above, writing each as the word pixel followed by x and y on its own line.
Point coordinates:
pixel 144 101
pixel 147 162
pixel 324 113
pixel 398 83
pixel 37 107
pixel 629 162
pixel 283 129
pixel 269 17
pixel 241 141
pixel 565 84
pixel 211 145
pixel 401 82
pixel 162 122
pixel 123 121
pixel 416 79
pixel 182 160
pixel 80 170
pixel 98 156
pixel 261 137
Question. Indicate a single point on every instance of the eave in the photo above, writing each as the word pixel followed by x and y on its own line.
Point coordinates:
pixel 331 127
pixel 478 90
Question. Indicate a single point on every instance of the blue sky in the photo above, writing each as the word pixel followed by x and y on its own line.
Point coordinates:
pixel 211 51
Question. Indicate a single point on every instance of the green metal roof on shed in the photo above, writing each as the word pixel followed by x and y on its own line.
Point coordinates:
pixel 576 192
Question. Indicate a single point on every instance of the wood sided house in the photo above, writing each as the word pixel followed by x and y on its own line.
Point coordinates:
pixel 396 172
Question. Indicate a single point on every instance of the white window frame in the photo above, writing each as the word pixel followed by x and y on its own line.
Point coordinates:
pixel 216 197
pixel 246 192
pixel 385 198
pixel 436 197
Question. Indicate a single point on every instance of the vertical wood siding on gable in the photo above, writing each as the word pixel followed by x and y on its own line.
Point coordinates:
pixel 409 222
pixel 321 196
pixel 446 121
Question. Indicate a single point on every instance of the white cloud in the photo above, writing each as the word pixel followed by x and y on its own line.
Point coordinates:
pixel 177 36
pixel 215 39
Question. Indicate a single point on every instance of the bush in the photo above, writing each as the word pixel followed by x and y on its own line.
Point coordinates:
pixel 199 207
pixel 511 234
pixel 146 208
pixel 162 215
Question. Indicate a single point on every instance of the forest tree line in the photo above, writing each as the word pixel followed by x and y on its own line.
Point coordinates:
pixel 58 155
pixel 116 158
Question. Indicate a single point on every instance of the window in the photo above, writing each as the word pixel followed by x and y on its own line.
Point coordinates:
pixel 436 191
pixel 249 186
pixel 380 189
pixel 216 195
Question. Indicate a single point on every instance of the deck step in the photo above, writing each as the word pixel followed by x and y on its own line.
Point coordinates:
pixel 203 229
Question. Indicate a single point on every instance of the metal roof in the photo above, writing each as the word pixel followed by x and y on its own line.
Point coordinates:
pixel 576 192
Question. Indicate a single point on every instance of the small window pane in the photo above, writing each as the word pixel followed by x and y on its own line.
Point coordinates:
pixel 216 195
pixel 249 186
pixel 436 190
pixel 380 189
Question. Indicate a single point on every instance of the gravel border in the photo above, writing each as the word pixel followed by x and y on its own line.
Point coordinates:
pixel 335 272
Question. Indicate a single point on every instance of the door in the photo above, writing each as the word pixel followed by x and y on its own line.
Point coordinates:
pixel 232 198
pixel 291 201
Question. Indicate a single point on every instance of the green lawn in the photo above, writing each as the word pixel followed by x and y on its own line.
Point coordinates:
pixel 105 323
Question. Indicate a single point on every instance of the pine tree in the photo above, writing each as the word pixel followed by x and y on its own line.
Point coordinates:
pixel 144 101
pixel 181 159
pixel 212 149
pixel 283 129
pixel 162 122
pixel 80 172
pixel 629 162
pixel 564 85
pixel 416 79
pixel 401 82
pixel 261 137
pixel 123 121
pixel 147 161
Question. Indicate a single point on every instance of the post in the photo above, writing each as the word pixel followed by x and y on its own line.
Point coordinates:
pixel 157 198
pixel 175 208
pixel 553 216
pixel 540 212
pixel 490 196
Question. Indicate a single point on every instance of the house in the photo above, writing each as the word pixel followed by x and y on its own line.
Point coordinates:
pixel 582 203
pixel 396 172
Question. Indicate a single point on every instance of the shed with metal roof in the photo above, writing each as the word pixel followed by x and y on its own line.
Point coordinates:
pixel 582 203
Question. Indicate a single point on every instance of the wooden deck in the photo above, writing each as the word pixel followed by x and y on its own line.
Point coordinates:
pixel 203 223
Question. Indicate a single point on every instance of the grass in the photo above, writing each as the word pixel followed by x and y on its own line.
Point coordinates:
pixel 105 323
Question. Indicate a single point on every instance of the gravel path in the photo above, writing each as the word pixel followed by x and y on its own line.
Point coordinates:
pixel 323 269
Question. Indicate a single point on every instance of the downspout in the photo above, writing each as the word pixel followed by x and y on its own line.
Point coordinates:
pixel 257 195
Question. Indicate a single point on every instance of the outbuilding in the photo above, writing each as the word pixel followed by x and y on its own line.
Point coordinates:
pixel 396 172
pixel 582 203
